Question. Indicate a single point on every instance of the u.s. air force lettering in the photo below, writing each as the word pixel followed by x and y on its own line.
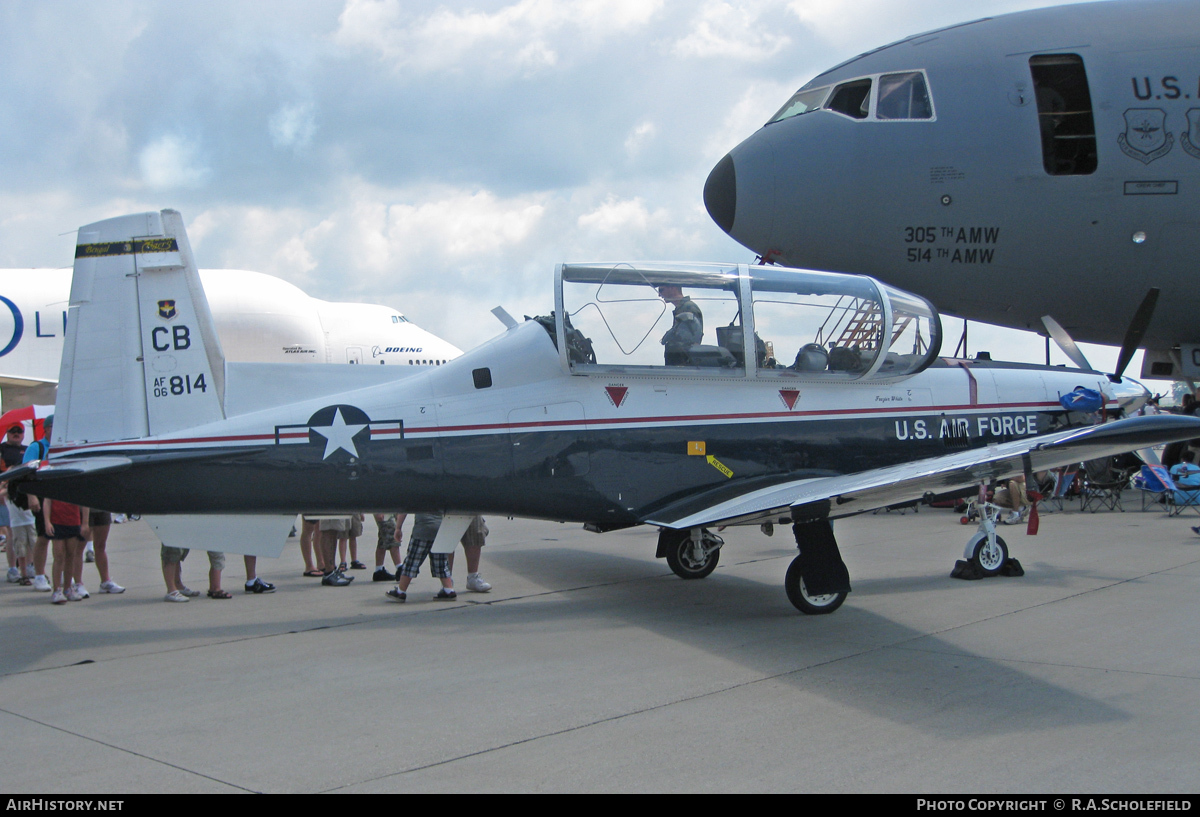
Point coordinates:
pixel 942 428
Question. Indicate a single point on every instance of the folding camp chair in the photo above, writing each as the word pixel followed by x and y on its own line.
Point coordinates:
pixel 1155 486
pixel 1064 479
pixel 1102 485
pixel 1183 497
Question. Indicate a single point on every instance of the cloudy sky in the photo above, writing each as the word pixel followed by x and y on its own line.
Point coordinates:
pixel 435 157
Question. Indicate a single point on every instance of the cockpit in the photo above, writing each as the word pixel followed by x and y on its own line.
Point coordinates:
pixel 700 320
pixel 896 96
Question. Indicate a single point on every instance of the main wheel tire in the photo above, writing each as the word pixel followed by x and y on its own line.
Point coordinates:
pixel 804 601
pixel 989 559
pixel 682 561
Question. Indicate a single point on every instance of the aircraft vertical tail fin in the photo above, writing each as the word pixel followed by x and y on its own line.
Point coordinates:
pixel 141 354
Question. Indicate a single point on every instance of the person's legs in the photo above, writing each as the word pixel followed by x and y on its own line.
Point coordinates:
pixel 216 564
pixel 328 550
pixel 76 561
pixel 40 550
pixel 308 533
pixel 253 583
pixel 60 570
pixel 418 549
pixel 100 547
pixel 74 549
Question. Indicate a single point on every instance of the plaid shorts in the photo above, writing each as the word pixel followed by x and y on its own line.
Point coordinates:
pixel 418 549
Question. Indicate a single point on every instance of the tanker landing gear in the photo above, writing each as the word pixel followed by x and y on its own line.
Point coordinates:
pixel 691 554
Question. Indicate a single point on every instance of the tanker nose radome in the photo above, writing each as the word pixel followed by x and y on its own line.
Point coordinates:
pixel 720 193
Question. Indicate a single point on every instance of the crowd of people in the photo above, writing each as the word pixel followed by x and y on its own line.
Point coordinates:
pixel 34 530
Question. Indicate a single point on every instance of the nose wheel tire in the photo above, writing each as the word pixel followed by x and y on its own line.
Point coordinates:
pixel 686 560
pixel 989 559
pixel 805 602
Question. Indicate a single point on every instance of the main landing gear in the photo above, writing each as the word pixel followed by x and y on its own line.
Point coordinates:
pixel 817 580
pixel 691 554
pixel 813 604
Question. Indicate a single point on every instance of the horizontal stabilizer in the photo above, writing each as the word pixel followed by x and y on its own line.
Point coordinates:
pixel 53 469
pixel 451 531
pixel 878 488
pixel 250 535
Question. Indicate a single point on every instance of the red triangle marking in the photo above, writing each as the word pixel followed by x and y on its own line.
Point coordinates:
pixel 790 396
pixel 616 394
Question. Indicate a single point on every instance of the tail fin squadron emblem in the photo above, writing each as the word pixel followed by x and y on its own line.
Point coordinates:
pixel 166 309
pixel 1146 137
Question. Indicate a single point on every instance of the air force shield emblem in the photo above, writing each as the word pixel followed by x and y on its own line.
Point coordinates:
pixel 166 309
pixel 1189 140
pixel 1145 137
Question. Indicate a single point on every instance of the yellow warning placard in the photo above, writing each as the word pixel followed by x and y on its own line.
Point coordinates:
pixel 720 466
pixel 696 448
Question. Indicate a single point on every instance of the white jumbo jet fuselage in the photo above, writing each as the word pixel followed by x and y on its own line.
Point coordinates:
pixel 259 318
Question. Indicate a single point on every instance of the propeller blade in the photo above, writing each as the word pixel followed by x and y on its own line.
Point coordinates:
pixel 1136 331
pixel 1065 342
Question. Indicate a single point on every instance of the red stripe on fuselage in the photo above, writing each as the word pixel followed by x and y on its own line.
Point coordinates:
pixel 615 421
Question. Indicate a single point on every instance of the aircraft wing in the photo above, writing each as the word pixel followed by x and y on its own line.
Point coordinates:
pixel 849 494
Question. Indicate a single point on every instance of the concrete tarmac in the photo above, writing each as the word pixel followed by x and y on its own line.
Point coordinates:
pixel 590 667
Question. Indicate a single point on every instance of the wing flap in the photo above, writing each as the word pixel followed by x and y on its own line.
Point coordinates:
pixel 849 494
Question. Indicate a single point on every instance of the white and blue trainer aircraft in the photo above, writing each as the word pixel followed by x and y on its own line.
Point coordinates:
pixel 813 396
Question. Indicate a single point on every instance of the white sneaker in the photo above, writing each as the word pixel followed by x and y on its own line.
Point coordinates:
pixel 57 597
pixel 1013 518
pixel 41 583
pixel 111 587
pixel 73 593
pixel 14 575
pixel 81 591
pixel 89 553
pixel 175 595
pixel 476 584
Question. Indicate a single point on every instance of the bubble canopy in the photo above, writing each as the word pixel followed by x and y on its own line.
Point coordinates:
pixel 698 320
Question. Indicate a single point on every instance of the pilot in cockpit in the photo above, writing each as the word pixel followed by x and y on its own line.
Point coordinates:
pixel 687 327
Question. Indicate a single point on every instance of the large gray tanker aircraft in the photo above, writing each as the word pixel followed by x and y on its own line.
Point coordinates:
pixel 823 396
pixel 1039 163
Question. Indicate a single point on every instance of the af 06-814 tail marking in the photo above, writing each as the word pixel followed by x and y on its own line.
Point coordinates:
pixel 177 364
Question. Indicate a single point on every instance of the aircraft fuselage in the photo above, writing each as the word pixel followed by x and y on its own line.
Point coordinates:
pixel 609 451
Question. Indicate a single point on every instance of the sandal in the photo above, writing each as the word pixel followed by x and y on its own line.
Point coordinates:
pixel 218 594
pixel 313 574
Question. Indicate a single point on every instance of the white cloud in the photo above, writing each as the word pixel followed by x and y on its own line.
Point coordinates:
pixel 172 162
pixel 520 34
pixel 461 225
pixel 748 114
pixel 639 136
pixel 723 29
pixel 861 24
pixel 617 216
pixel 292 126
